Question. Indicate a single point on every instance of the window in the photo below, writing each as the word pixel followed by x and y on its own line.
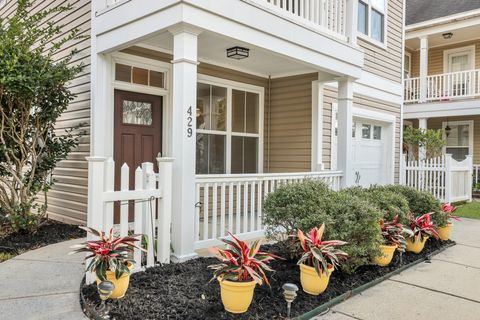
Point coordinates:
pixel 138 113
pixel 377 133
pixel 366 130
pixel 228 129
pixel 371 19
pixel 407 64
pixel 135 75
pixel 459 142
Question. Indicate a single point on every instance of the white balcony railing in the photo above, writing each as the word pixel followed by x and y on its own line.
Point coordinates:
pixel 446 86
pixel 234 202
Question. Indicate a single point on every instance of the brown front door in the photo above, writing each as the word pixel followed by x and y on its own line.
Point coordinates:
pixel 138 132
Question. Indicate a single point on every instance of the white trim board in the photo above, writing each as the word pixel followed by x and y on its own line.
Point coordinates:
pixel 453 108
pixel 449 25
pixel 470 50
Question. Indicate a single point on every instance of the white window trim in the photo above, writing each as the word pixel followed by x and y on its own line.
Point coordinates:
pixel 470 124
pixel 367 37
pixel 409 55
pixel 446 54
pixel 230 85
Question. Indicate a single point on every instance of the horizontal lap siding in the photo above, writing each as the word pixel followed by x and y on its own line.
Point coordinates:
pixel 67 201
pixel 387 63
pixel 435 58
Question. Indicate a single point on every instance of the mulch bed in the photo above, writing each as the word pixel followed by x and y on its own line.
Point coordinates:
pixel 183 291
pixel 49 233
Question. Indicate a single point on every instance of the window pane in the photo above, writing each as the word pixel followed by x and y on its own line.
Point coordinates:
pixel 156 79
pixel 203 106
pixel 362 22
pixel 366 129
pixel 377 26
pixel 379 4
pixel 139 113
pixel 459 135
pixel 210 154
pixel 354 129
pixel 244 155
pixel 219 108
pixel 140 76
pixel 458 154
pixel 377 133
pixel 252 106
pixel 238 111
pixel 123 72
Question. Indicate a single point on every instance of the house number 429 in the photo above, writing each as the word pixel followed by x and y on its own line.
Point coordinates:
pixel 189 122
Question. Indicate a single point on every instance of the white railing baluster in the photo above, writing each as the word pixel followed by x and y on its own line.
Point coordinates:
pixel 252 206
pixel 206 200
pixel 230 207
pixel 138 207
pixel 245 207
pixel 214 210
pixel 238 213
pixel 197 212
pixel 124 205
pixel 222 210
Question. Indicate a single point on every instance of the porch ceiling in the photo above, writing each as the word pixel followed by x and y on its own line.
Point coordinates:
pixel 212 49
pixel 436 40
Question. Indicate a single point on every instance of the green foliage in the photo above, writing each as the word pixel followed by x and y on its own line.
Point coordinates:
pixel 431 139
pixel 33 95
pixel 390 203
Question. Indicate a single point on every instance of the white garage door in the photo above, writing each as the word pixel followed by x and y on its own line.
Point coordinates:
pixel 369 154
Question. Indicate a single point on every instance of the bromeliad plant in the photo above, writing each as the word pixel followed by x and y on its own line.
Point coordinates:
pixel 320 254
pixel 422 227
pixel 392 232
pixel 241 262
pixel 108 253
pixel 449 209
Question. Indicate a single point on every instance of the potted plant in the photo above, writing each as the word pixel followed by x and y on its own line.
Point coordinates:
pixel 109 258
pixel 422 228
pixel 319 260
pixel 242 268
pixel 445 231
pixel 392 232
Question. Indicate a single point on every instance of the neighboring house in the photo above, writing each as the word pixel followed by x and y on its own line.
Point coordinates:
pixel 442 72
pixel 234 89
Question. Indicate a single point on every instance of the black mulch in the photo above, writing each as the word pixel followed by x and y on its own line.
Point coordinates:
pixel 49 233
pixel 183 291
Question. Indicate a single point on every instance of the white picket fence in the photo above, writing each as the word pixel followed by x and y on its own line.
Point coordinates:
pixel 445 178
pixel 138 212
pixel 234 202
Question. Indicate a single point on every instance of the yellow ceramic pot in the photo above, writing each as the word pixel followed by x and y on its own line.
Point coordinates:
pixel 236 296
pixel 121 284
pixel 416 246
pixel 387 255
pixel 311 282
pixel 444 232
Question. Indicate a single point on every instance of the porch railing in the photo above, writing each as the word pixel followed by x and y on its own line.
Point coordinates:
pixel 463 84
pixel 444 177
pixel 476 177
pixel 234 202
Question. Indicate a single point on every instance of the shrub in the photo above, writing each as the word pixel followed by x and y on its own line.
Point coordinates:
pixel 390 203
pixel 296 206
pixel 241 262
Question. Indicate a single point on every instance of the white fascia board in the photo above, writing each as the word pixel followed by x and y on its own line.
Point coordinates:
pixel 373 115
pixel 442 109
pixel 443 20
pixel 263 30
pixel 373 86
pixel 436 29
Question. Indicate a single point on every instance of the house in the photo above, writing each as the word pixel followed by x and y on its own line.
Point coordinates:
pixel 442 76
pixel 241 94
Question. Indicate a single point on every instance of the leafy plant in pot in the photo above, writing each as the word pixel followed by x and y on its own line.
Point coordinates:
pixel 242 268
pixel 392 232
pixel 422 228
pixel 109 258
pixel 319 260
pixel 445 230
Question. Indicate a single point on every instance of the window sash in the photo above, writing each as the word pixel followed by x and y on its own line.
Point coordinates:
pixel 373 7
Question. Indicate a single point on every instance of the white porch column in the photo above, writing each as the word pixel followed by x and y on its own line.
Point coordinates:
pixel 351 21
pixel 184 99
pixel 317 125
pixel 422 152
pixel 423 68
pixel 345 122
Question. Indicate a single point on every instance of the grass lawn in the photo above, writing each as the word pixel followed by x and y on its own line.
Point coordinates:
pixel 469 210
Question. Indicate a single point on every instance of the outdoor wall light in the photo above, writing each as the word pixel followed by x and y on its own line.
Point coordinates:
pixel 105 290
pixel 447 35
pixel 448 130
pixel 238 53
pixel 290 293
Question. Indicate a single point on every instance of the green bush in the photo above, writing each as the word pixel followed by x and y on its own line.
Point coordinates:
pixel 389 202
pixel 419 202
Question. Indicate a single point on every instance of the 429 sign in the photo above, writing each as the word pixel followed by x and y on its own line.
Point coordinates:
pixel 189 122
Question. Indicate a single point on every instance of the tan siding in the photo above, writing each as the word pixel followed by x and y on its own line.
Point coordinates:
pixel 436 123
pixel 68 198
pixel 435 58
pixel 387 62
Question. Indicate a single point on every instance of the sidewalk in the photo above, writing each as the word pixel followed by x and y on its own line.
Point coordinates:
pixel 42 284
pixel 446 289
